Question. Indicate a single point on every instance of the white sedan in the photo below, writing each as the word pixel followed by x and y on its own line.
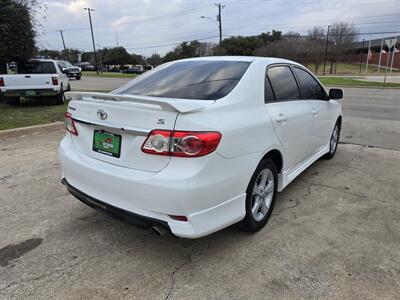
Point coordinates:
pixel 196 145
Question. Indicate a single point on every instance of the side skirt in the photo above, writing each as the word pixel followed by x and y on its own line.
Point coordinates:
pixel 287 177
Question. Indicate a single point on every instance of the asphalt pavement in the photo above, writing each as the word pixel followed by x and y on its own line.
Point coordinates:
pixel 334 234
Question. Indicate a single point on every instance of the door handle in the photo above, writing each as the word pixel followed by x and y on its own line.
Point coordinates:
pixel 314 112
pixel 281 118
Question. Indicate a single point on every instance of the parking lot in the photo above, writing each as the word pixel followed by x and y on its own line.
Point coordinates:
pixel 334 232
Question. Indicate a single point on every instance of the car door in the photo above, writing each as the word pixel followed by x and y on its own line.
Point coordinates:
pixel 315 94
pixel 290 114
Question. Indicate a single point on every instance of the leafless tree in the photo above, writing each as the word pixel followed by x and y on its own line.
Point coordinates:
pixel 341 36
pixel 205 49
pixel 316 46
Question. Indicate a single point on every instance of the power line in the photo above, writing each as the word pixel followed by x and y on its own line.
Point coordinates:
pixel 179 13
pixel 171 44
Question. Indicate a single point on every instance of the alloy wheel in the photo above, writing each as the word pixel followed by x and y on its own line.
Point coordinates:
pixel 262 195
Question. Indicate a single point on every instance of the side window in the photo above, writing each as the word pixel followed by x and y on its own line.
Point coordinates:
pixel 283 83
pixel 268 94
pixel 310 88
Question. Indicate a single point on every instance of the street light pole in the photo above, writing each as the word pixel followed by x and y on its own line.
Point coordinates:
pixel 219 23
pixel 91 29
pixel 326 49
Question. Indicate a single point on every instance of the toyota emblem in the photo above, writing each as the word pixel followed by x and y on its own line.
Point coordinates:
pixel 101 114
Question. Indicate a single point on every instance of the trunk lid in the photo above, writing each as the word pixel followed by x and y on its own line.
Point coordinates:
pixel 130 117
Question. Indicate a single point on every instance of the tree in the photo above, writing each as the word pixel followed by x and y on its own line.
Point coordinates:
pixel 316 41
pixel 246 45
pixel 183 50
pixel 115 56
pixel 17 30
pixel 137 59
pixel 341 37
pixel 154 60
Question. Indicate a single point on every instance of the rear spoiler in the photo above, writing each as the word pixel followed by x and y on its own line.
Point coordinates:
pixel 179 105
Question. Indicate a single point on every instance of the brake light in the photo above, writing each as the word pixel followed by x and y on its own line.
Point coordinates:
pixel 54 80
pixel 1 81
pixel 181 143
pixel 70 124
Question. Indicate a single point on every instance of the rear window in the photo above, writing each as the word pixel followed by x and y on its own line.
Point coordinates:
pixel 36 68
pixel 202 79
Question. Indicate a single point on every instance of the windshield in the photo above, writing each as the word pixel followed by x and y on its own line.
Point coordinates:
pixel 196 79
pixel 65 64
pixel 36 67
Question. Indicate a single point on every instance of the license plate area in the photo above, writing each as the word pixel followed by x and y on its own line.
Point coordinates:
pixel 107 143
pixel 30 93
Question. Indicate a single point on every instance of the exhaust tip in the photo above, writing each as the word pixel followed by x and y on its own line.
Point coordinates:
pixel 159 230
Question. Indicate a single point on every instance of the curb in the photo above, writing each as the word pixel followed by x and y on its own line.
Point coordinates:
pixel 15 132
pixel 364 87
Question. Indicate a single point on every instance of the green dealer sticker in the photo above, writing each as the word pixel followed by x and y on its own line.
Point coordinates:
pixel 107 143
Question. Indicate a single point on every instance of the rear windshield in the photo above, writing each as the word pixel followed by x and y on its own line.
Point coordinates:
pixel 36 67
pixel 201 79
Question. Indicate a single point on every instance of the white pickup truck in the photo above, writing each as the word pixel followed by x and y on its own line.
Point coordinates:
pixel 34 78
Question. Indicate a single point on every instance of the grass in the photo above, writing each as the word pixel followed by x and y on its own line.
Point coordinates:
pixel 108 74
pixel 30 112
pixel 346 81
pixel 351 69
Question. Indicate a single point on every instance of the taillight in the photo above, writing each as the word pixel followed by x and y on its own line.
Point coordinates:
pixel 70 124
pixel 1 81
pixel 54 80
pixel 181 143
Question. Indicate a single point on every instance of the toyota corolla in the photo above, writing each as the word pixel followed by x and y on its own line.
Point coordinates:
pixel 196 145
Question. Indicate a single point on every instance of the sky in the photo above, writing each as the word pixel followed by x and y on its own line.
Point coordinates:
pixel 156 26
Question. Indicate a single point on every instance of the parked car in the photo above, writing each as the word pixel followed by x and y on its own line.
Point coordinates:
pixel 198 144
pixel 70 70
pixel 86 66
pixel 34 78
pixel 133 70
pixel 147 68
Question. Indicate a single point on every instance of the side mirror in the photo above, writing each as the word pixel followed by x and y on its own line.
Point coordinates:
pixel 336 94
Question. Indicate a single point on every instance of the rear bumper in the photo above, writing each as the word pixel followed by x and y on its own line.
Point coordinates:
pixel 25 93
pixel 209 192
pixel 115 212
pixel 74 74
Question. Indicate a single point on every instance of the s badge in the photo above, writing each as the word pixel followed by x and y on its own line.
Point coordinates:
pixel 161 121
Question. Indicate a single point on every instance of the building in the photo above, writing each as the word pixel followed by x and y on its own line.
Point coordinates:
pixel 360 52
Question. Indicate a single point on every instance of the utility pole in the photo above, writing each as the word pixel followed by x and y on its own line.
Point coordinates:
pixel 361 54
pixel 62 38
pixel 91 29
pixel 219 19
pixel 326 49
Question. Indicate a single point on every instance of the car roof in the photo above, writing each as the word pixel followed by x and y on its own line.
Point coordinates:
pixel 265 60
pixel 41 60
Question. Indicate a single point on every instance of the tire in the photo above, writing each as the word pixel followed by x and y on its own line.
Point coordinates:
pixel 13 100
pixel 69 87
pixel 60 99
pixel 333 142
pixel 266 171
pixel 78 77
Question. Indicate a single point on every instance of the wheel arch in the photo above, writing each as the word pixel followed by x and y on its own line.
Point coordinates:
pixel 339 120
pixel 277 157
